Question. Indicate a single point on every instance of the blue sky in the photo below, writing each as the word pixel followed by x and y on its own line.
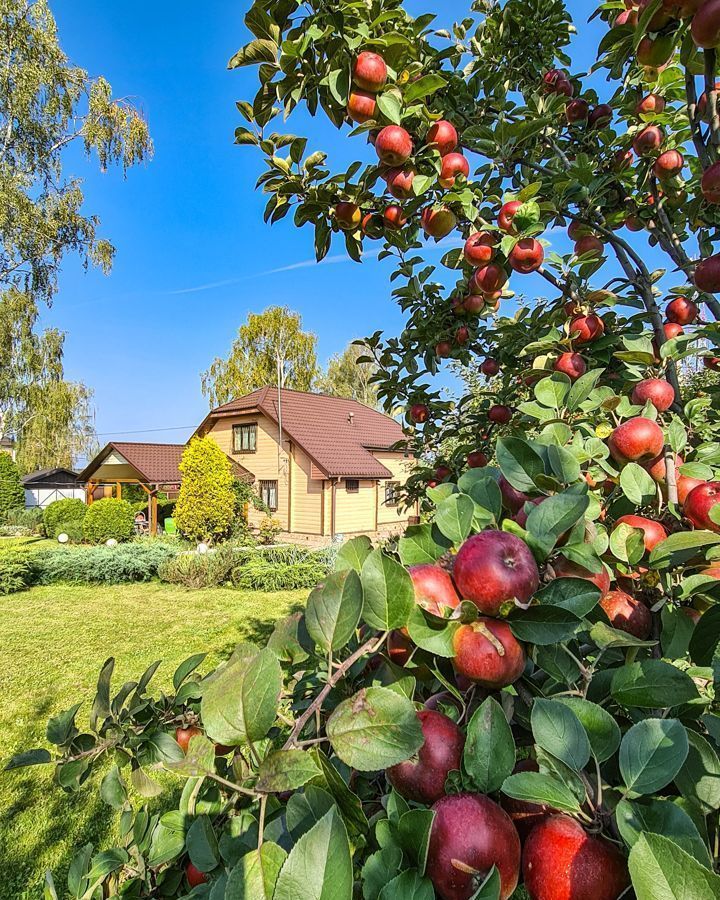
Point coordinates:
pixel 193 254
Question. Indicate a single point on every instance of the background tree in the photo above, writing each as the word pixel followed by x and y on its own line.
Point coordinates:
pixel 47 104
pixel 270 349
pixel 12 493
pixel 206 506
pixel 350 374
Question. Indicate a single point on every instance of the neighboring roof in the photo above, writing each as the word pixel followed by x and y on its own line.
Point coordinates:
pixel 7 442
pixel 337 434
pixel 47 475
pixel 155 463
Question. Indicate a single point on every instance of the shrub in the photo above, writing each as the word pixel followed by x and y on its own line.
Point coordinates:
pixel 261 574
pixel 15 571
pixel 200 570
pixel 108 518
pixel 206 506
pixel 24 518
pixel 268 529
pixel 63 512
pixel 136 561
pixel 12 493
pixel 73 529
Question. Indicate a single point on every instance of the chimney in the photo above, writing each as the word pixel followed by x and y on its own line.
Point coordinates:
pixel 351 418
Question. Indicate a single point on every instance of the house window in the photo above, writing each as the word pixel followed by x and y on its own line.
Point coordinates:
pixel 352 485
pixel 245 438
pixel 269 494
pixel 391 493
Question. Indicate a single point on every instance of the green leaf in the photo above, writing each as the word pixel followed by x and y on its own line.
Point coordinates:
pixel 605 637
pixel 652 683
pixel 558 730
pixel 549 520
pixel 202 844
pixel 423 87
pixel 704 641
pixel 254 53
pixel 36 757
pixel 431 633
pixel 491 888
pixel 680 548
pixel 564 464
pixel 375 729
pixel 454 517
pixel 240 704
pixel 390 106
pixel 101 704
pixel 652 753
pixel 601 728
pixel 305 808
pixel 582 388
pixel 353 554
pixel 627 543
pixel 543 625
pixel 414 828
pixel 637 485
pixel 286 770
pixel 380 868
pixel 637 817
pixel 61 728
pixel 485 491
pixel 256 874
pixel 661 870
pixel 186 668
pixel 519 463
pixel 422 544
pixel 319 866
pixel 543 789
pixel 699 778
pixel 577 595
pixel 409 885
pixel 489 755
pixel 112 789
pixel 199 759
pixel 553 390
pixel 388 591
pixel 334 609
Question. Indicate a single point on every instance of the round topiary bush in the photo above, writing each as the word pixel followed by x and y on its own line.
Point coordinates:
pixel 64 515
pixel 108 518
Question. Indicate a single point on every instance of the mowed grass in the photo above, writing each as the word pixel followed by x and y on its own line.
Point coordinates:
pixel 53 641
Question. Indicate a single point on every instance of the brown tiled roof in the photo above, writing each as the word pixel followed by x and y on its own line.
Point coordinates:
pixel 336 433
pixel 155 463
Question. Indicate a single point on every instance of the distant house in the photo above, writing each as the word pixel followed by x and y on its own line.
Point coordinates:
pixel 48 485
pixel 324 466
pixel 7 445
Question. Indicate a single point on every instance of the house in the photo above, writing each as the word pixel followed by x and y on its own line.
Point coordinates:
pixel 7 445
pixel 326 467
pixel 48 485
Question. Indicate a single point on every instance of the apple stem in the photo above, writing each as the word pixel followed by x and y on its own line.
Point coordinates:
pixel 481 628
pixel 463 867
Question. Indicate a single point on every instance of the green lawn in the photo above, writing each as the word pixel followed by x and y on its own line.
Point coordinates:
pixel 53 641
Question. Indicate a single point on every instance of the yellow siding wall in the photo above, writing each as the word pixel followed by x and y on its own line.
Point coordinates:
pixel 306 494
pixel 355 511
pixel 401 467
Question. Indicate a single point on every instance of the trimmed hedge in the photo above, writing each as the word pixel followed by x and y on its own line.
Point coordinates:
pixel 108 519
pixel 61 514
pixel 137 561
pixel 201 570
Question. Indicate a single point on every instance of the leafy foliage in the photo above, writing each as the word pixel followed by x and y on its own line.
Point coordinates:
pixel 108 519
pixel 207 504
pixel 12 493
pixel 58 514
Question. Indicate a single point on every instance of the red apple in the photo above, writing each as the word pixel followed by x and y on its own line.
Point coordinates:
pixel 633 223
pixel 194 876
pixel 705 28
pixel 586 329
pixel 513 500
pixel 702 106
pixel 470 834
pixel 453 164
pixel 474 303
pixel 601 116
pixel 551 78
pixel 650 104
pixel 372 225
pixel 657 391
pixel 488 279
pixel 490 367
pixel 348 215
pixel 655 53
pixel 443 137
pixel 488 653
pixel 521 516
pixel 500 414
pixel 571 364
pixel 526 256
pixel 685 484
pixel 462 336
pixel 672 330
pixel 577 230
pixel 493 567
pixel 682 311
pixel 434 588
pixel 712 363
pixel 577 111
pixel 710 184
pixel 477 460
pixel 479 248
pixel 442 472
pixel 653 532
pixel 400 647
pixel 707 274
pixel 437 223
pixel 525 815
pixel 659 20
pixel 361 106
pixel 626 17
pixel 399 182
pixel 563 568
pixel 370 71
pixel 648 140
pixel 699 502
pixel 562 862
pixel 622 160
pixel 589 245
pixel 443 349
pixel 564 87
pixel 506 216
pixel 668 164
pixel 627 614
pixel 422 777
pixel 394 217
pixel 635 440
pixel 657 468
pixel 184 735
pixel 393 145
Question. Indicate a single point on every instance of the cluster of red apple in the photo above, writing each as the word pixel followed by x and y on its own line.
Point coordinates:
pixel 577 110
pixel 490 569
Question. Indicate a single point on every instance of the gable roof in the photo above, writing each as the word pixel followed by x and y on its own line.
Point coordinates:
pixel 48 474
pixel 337 434
pixel 155 463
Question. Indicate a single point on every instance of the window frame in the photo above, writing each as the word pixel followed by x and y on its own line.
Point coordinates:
pixel 266 485
pixel 393 487
pixel 356 485
pixel 237 429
